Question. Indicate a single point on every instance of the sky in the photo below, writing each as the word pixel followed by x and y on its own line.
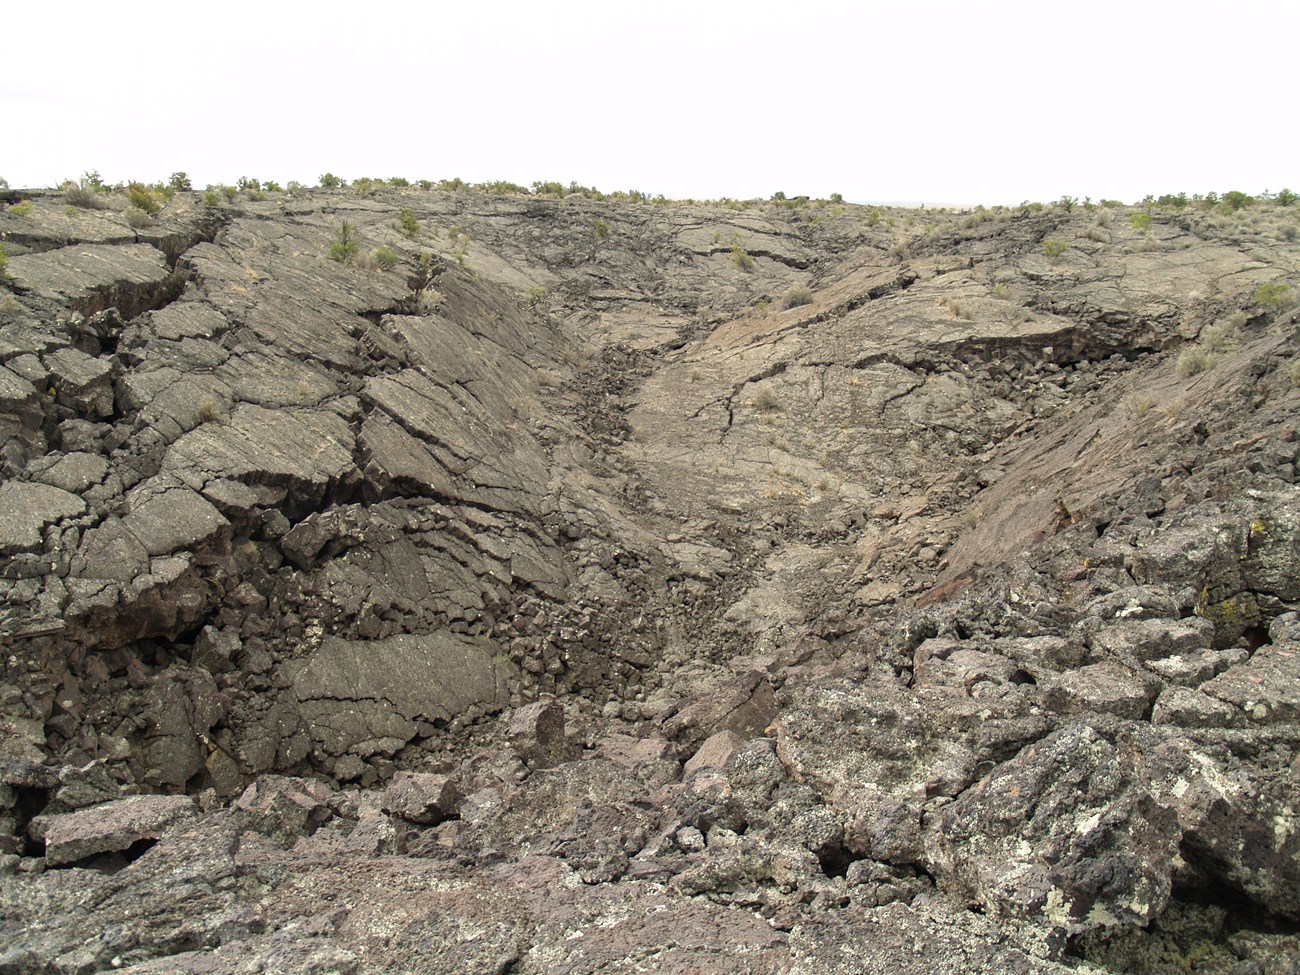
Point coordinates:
pixel 931 102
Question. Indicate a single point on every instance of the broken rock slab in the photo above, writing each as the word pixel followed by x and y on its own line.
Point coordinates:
pixel 110 828
pixel 423 798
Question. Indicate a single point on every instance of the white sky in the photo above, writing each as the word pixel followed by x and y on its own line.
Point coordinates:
pixel 938 101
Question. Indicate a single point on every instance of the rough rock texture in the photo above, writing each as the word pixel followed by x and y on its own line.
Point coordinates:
pixel 575 596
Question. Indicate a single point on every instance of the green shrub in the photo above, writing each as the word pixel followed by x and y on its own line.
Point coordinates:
pixel 799 295
pixel 1273 294
pixel 230 193
pixel 142 196
pixel 837 198
pixel 179 181
pixel 600 229
pixel 1295 364
pixel 248 184
pixel 4 264
pixel 23 208
pixel 271 186
pixel 345 244
pixel 137 218
pixel 740 257
pixel 386 258
pixel 536 295
pixel 1053 249
pixel 1286 197
pixel 1235 199
pixel 398 182
pixel 4 183
pixel 210 199
pixel 332 182
pixel 456 231
pixel 873 218
pixel 406 223
pixel 1140 222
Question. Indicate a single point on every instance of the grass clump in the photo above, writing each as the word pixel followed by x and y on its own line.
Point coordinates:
pixel 23 208
pixel 765 401
pixel 1194 361
pixel 138 219
pixel 536 295
pixel 799 295
pixel 346 245
pixel 407 225
pixel 386 258
pixel 1140 222
pixel 4 264
pixel 84 195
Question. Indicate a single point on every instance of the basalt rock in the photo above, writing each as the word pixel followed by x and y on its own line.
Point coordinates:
pixel 557 600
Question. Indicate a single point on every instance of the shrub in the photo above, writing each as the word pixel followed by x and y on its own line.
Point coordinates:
pixel 83 195
pixel 386 258
pixel 765 401
pixel 1193 361
pixel 1054 249
pixel 873 218
pixel 1235 199
pixel 430 300
pixel 1000 290
pixel 398 182
pixel 797 296
pixel 345 244
pixel 536 295
pixel 1286 197
pixel 332 182
pixel 4 264
pixel 600 229
pixel 1295 365
pixel 406 223
pixel 179 181
pixel 142 196
pixel 271 186
pixel 22 209
pixel 210 199
pixel 837 198
pixel 456 231
pixel 1140 222
pixel 1273 294
pixel 249 184
pixel 1223 337
pixel 4 183
pixel 137 218
pixel 740 257
pixel 230 193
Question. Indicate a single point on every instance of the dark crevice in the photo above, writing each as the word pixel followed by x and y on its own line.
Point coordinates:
pixel 835 859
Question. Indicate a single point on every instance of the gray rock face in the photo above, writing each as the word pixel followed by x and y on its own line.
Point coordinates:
pixel 563 600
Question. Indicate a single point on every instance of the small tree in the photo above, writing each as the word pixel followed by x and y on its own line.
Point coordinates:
pixel 331 182
pixel 345 244
pixel 179 181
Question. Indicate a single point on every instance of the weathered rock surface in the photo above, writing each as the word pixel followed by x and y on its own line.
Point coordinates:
pixel 592 602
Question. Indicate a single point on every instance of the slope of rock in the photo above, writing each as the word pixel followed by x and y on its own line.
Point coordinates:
pixel 638 586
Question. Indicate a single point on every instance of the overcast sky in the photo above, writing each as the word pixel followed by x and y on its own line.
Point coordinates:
pixel 960 102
